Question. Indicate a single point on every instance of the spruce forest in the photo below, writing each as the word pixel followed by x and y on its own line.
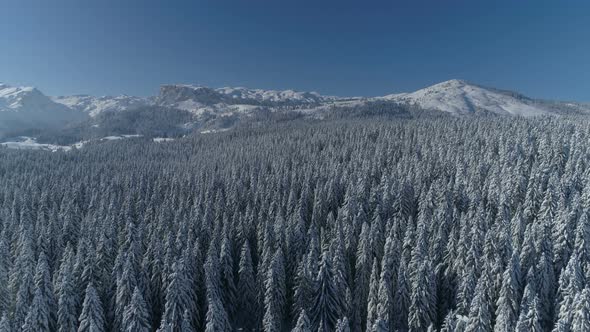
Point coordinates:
pixel 431 224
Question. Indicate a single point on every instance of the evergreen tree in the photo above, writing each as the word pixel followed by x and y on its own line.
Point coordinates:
pixel 303 324
pixel 67 312
pixel 508 305
pixel 44 290
pixel 5 324
pixel 178 297
pixel 126 283
pixel 247 304
pixel 274 299
pixel 480 317
pixel 364 262
pixel 38 317
pixel 92 316
pixel 136 317
pixel 531 320
pixel 342 325
pixel 581 319
pixel 422 302
pixel 227 274
pixel 325 307
pixel 216 319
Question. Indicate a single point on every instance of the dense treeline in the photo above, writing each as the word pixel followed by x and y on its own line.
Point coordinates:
pixel 408 225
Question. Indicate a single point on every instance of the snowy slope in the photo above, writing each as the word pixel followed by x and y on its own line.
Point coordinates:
pixel 27 107
pixel 461 98
pixel 24 108
pixel 192 97
pixel 96 105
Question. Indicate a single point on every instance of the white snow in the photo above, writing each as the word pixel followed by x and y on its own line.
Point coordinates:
pixel 459 97
pixel 163 139
pixel 116 138
pixel 96 105
pixel 28 143
pixel 212 131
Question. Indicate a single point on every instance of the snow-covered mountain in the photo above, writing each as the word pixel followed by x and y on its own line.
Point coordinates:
pixel 175 93
pixel 23 108
pixel 461 98
pixel 27 107
pixel 93 106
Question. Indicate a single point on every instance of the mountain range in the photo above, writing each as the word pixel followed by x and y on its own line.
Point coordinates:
pixel 25 108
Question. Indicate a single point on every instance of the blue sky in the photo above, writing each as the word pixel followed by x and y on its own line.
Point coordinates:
pixel 540 48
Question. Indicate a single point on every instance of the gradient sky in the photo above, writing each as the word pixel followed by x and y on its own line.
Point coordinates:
pixel 540 48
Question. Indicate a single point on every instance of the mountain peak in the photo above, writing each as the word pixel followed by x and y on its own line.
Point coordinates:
pixel 462 98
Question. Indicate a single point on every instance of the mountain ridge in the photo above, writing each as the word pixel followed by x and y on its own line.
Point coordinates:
pixel 219 108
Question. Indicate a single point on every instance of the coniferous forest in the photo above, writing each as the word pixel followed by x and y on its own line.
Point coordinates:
pixel 446 224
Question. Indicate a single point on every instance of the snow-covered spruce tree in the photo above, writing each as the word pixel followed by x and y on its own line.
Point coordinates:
pixel 5 262
pixel 125 286
pixel 38 317
pixel 508 303
pixel 247 303
pixel 324 308
pixel 373 298
pixel 303 323
pixel 274 298
pixel 401 299
pixel 216 318
pixel 422 301
pixel 21 278
pixel 342 325
pixel 186 325
pixel 364 262
pixel 92 316
pixel 136 317
pixel 480 315
pixel 581 319
pixel 228 285
pixel 178 297
pixel 531 320
pixel 68 303
pixel 44 289
pixel 468 196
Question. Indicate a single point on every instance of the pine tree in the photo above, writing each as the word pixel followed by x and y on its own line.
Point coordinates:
pixel 380 325
pixel 581 319
pixel 247 304
pixel 67 316
pixel 136 317
pixel 480 317
pixel 125 286
pixel 4 275
pixel 364 262
pixel 21 278
pixel 531 320
pixel 5 324
pixel 44 289
pixel 507 304
pixel 325 307
pixel 421 312
pixel 216 319
pixel 340 274
pixel 274 297
pixel 92 316
pixel 373 298
pixel 303 324
pixel 227 274
pixel 342 325
pixel 402 299
pixel 186 325
pixel 37 319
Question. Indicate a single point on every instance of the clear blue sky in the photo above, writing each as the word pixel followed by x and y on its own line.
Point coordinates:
pixel 340 47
